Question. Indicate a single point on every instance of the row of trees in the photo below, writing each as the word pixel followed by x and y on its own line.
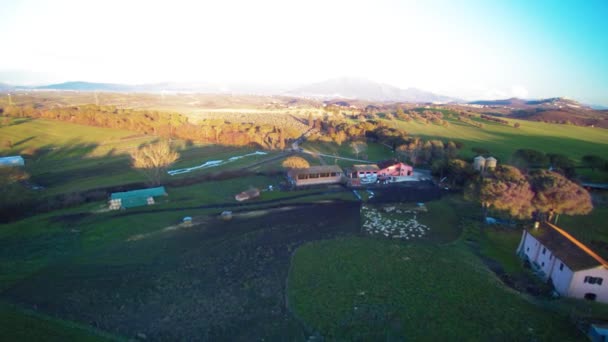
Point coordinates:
pixel 531 159
pixel 494 119
pixel 163 124
pixel 410 149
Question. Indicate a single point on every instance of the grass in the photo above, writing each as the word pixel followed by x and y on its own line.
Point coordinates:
pixel 590 229
pixel 71 158
pixel 443 217
pixel 211 281
pixel 374 151
pixel 370 289
pixel 500 245
pixel 502 140
pixel 22 325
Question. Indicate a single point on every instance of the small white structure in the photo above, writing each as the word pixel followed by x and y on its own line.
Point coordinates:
pixel 11 161
pixel 491 163
pixel 574 269
pixel 479 163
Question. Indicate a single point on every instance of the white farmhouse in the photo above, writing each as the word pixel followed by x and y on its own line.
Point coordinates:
pixel 574 269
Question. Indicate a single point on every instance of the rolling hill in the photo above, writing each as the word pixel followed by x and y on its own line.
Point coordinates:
pixel 554 110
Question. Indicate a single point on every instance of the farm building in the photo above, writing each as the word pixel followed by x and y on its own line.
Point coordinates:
pixel 315 175
pixel 491 163
pixel 366 173
pixel 573 269
pixel 11 161
pixel 135 198
pixel 394 168
pixel 479 163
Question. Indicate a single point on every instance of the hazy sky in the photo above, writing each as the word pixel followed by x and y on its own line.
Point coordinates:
pixel 468 49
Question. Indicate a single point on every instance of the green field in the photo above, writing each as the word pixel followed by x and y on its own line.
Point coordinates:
pixel 502 140
pixel 140 271
pixel 20 325
pixel 362 289
pixel 374 152
pixel 64 157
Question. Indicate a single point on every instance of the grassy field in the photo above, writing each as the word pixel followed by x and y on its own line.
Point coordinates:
pixel 369 289
pixel 64 157
pixel 140 272
pixel 20 325
pixel 374 152
pixel 378 288
pixel 136 273
pixel 502 140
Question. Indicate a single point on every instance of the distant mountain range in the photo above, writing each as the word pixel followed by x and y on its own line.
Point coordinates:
pixel 337 88
pixel 355 88
pixel 347 88
pixel 516 103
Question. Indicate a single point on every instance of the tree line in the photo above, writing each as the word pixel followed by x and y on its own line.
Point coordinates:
pixel 163 124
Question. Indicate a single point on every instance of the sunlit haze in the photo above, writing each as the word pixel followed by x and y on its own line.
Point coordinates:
pixel 470 50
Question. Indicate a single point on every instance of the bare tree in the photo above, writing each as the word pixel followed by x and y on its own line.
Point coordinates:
pixel 154 159
pixel 358 147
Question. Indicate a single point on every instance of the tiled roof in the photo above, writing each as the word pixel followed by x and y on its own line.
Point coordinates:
pixel 564 246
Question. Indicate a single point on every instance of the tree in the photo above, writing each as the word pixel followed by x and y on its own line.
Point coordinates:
pixel 593 162
pixel 460 172
pixel 295 163
pixel 526 158
pixel 400 112
pixel 358 147
pixel 554 193
pixel 281 142
pixel 562 163
pixel 154 159
pixel 506 189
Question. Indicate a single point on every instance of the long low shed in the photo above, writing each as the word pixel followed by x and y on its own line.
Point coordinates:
pixel 135 198
pixel 315 175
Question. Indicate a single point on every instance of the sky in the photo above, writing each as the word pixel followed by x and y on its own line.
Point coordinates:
pixel 466 49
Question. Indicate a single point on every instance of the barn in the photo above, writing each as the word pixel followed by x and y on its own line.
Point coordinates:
pixel 363 174
pixel 394 168
pixel 11 161
pixel 315 175
pixel 135 198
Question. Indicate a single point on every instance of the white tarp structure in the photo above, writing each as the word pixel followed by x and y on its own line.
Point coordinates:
pixel 212 163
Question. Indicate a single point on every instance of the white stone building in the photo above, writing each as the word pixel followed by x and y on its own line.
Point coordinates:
pixel 574 269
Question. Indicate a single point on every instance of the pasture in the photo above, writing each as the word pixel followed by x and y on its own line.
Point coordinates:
pixel 26 325
pixel 64 157
pixel 502 140
pixel 366 289
pixel 138 273
pixel 134 273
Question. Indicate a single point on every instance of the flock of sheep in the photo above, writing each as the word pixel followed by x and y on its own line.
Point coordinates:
pixel 392 222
